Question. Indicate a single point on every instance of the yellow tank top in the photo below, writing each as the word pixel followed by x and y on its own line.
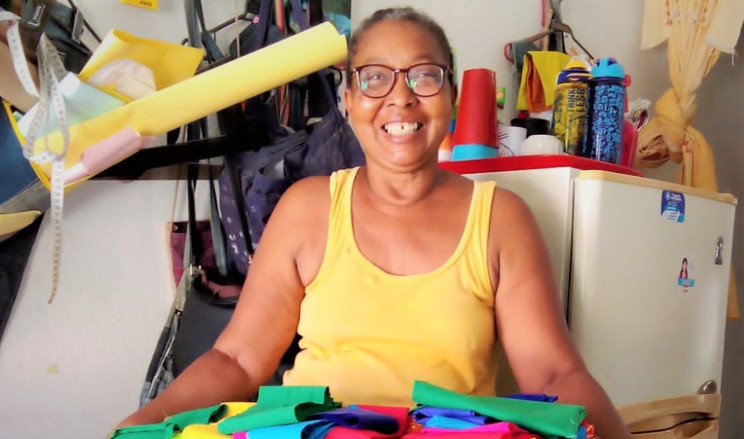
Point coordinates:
pixel 368 334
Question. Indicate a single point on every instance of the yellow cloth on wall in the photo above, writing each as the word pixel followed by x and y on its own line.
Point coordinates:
pixel 725 26
pixel 539 75
pixel 654 29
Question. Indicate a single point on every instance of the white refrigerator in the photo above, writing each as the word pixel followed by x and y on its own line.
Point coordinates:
pixel 642 268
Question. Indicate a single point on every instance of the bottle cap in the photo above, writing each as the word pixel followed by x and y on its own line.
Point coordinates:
pixel 608 68
pixel 577 70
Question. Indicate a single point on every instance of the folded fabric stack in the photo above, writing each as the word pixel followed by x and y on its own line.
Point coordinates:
pixel 308 412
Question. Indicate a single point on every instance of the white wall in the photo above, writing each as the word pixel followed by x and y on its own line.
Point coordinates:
pixel 81 360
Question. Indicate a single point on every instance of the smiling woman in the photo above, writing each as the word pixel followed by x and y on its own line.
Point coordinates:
pixel 398 270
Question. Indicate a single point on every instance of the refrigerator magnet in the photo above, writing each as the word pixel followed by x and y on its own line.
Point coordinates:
pixel 673 206
pixel 683 279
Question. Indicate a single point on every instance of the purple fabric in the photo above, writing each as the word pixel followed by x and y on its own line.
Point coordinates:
pixel 540 397
pixel 497 427
pixel 422 414
pixel 360 419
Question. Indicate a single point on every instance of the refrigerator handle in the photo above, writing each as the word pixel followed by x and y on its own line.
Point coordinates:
pixel 719 251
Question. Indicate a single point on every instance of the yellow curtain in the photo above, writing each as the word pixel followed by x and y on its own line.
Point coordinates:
pixel 696 32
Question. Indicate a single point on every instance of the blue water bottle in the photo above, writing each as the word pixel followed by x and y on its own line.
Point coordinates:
pixel 603 134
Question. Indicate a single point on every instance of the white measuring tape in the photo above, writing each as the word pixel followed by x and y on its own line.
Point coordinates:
pixel 50 96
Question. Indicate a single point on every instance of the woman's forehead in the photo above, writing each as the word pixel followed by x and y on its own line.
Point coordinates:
pixel 387 40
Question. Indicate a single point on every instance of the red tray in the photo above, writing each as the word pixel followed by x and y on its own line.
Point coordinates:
pixel 523 162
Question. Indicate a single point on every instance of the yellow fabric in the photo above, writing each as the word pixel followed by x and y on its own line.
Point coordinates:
pixel 202 431
pixel 13 222
pixel 725 25
pixel 537 86
pixel 368 334
pixel 654 30
pixel 206 93
pixel 669 134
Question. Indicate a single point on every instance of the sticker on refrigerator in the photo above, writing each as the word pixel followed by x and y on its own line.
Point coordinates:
pixel 683 279
pixel 673 206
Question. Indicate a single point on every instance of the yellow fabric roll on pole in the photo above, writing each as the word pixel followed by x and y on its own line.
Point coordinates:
pixel 203 94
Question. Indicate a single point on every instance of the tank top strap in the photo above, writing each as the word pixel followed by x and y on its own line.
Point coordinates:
pixel 339 225
pixel 478 229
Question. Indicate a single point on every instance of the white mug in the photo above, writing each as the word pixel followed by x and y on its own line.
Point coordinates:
pixel 541 144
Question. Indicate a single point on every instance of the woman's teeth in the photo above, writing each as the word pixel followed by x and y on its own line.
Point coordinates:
pixel 400 128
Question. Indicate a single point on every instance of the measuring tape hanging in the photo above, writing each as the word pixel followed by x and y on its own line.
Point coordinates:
pixel 51 70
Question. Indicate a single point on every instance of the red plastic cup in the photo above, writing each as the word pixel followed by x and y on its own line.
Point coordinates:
pixel 476 116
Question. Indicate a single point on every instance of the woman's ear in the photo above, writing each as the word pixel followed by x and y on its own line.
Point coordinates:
pixel 347 99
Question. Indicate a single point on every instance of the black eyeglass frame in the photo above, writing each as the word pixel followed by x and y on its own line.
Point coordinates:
pixel 446 72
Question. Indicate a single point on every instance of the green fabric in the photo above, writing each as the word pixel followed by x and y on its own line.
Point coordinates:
pixel 544 418
pixel 163 430
pixel 206 415
pixel 280 405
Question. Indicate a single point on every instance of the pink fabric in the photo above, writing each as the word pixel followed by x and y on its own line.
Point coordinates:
pixel 464 434
pixel 498 427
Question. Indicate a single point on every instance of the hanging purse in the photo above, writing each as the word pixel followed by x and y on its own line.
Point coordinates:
pixel 210 295
pixel 205 299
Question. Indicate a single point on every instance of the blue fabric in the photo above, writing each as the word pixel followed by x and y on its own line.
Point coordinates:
pixel 16 171
pixel 354 417
pixel 449 423
pixel 423 414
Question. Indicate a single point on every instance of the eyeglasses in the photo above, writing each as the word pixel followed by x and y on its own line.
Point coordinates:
pixel 424 80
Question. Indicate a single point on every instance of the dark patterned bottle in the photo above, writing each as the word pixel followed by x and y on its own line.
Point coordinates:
pixel 603 135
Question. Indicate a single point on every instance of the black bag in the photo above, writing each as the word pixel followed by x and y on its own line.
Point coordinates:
pixel 210 296
pixel 265 174
pixel 205 300
pixel 63 25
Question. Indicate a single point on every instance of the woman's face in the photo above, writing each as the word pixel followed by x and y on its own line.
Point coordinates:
pixel 400 130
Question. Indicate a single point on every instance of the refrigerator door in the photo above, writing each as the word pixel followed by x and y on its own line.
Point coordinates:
pixel 649 281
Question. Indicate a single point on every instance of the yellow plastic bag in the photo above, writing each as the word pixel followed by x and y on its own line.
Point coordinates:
pixel 170 63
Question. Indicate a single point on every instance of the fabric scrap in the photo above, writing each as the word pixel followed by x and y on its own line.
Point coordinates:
pixel 423 414
pixel 548 419
pixel 280 405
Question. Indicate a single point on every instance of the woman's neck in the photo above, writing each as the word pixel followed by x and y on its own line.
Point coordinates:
pixel 399 189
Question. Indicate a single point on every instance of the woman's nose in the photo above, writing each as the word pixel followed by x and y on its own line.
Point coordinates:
pixel 401 94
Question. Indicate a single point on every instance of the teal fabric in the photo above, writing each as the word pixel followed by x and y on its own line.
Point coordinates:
pixel 281 405
pixel 163 430
pixel 547 419
pixel 206 415
pixel 172 425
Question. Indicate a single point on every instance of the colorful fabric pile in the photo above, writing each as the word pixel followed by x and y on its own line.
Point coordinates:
pixel 307 412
